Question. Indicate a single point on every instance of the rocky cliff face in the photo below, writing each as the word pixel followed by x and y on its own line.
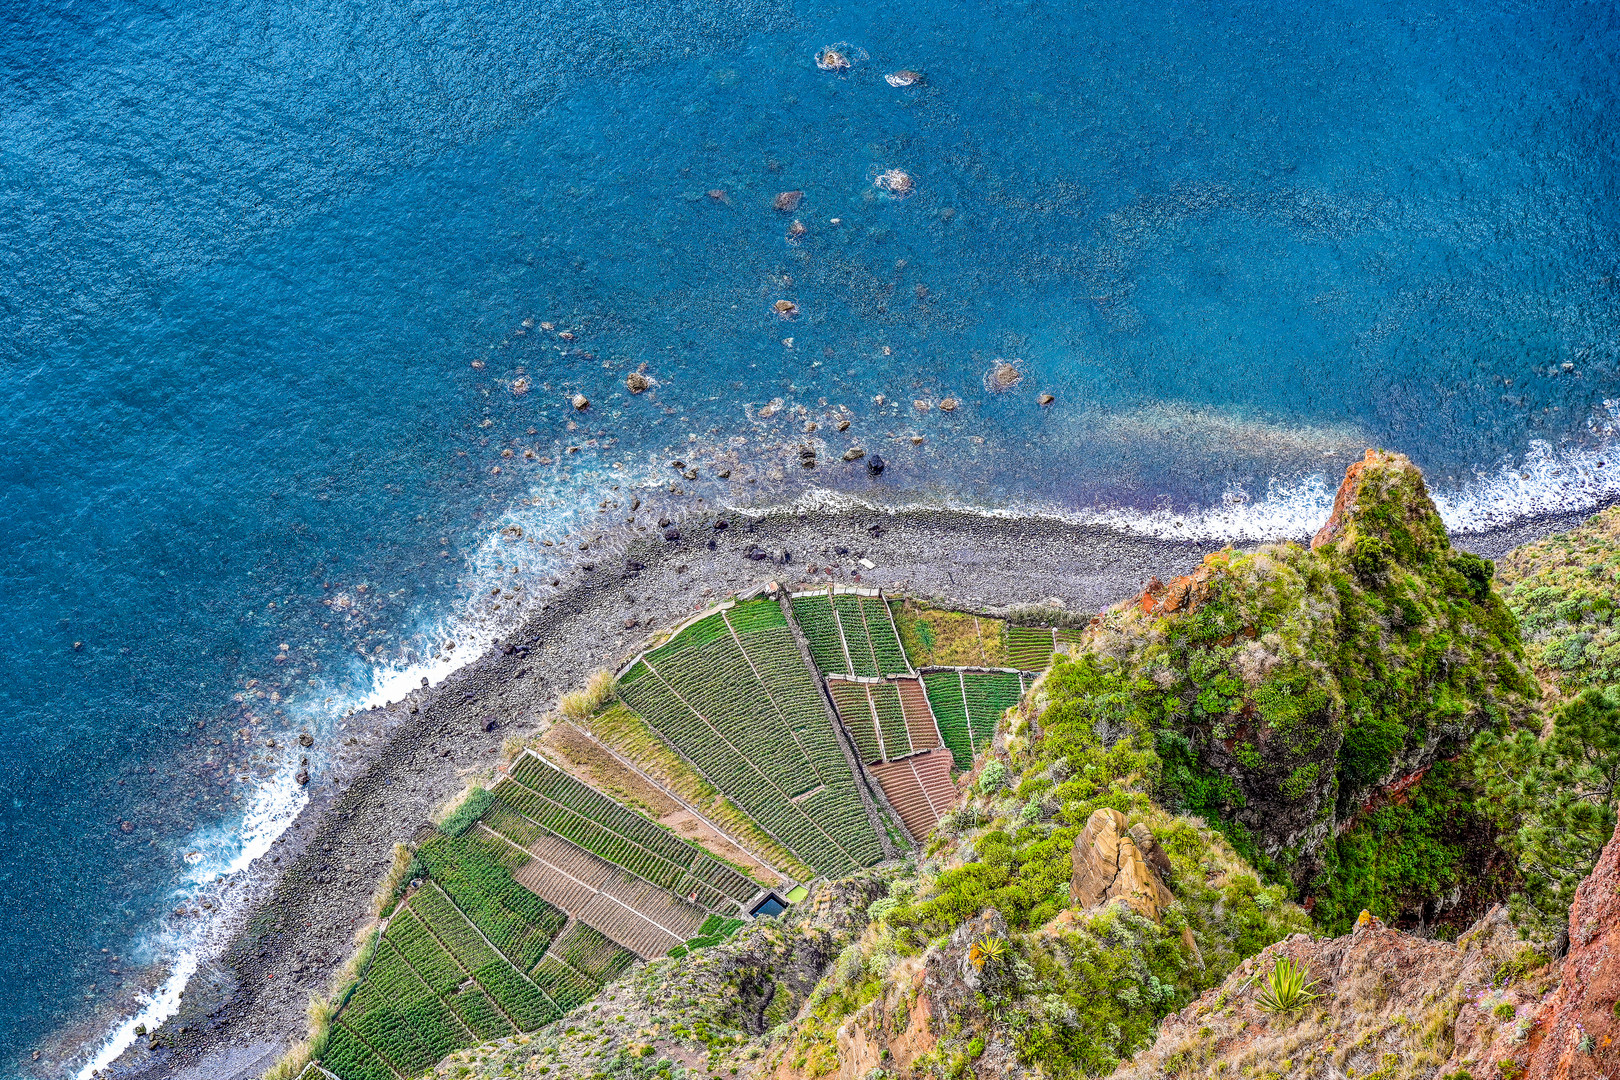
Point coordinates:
pixel 1288 687
pixel 1393 1006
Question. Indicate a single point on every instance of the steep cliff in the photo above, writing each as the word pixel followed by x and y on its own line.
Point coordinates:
pixel 1288 690
pixel 1391 1005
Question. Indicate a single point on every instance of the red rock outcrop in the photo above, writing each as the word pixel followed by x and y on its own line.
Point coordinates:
pixel 1184 593
pixel 1398 1005
pixel 1581 1032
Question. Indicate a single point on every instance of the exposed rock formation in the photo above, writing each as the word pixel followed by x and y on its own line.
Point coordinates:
pixel 890 1032
pixel 1395 1005
pixel 1578 1028
pixel 1290 686
pixel 1114 865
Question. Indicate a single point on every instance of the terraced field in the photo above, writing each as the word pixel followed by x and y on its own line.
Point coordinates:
pixel 557 802
pixel 851 634
pixel 731 693
pixel 919 788
pixel 630 910
pixel 887 720
pixel 558 888
pixel 967 705
pixel 468 957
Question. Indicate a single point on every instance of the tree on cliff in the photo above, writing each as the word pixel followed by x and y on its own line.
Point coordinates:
pixel 1555 801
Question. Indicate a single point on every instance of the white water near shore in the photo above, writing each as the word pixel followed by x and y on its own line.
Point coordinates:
pixel 1546 481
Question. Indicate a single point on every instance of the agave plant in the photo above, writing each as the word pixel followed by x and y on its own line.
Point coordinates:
pixel 1286 988
pixel 988 947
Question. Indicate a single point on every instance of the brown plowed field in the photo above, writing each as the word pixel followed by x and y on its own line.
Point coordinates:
pixel 919 717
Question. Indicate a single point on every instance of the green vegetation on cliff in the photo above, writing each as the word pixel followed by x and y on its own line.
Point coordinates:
pixel 1274 692
pixel 1302 680
pixel 1074 990
pixel 1564 591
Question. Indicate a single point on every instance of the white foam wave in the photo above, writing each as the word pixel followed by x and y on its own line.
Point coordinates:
pixel 218 855
pixel 1546 480
pixel 156 1007
pixel 216 858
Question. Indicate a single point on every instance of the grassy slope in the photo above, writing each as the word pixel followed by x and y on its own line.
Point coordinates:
pixel 948 638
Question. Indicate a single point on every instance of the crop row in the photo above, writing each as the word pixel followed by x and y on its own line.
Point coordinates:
pixel 489 864
pixel 587 834
pixel 886 648
pixel 517 997
pixel 567 987
pixel 417 944
pixel 592 953
pixel 891 719
pixel 390 980
pixel 855 709
pixel 410 1036
pixel 944 690
pixel 714 872
pixel 989 694
pixel 703 894
pixel 740 779
pixel 500 984
pixel 842 814
pixel 559 787
pixel 454 932
pixel 352 1059
pixel 720 685
pixel 814 614
pixel 859 643
pixel 517 921
pixel 756 615
pixel 480 1014
pixel 502 818
pixel 1029 648
pixel 793 688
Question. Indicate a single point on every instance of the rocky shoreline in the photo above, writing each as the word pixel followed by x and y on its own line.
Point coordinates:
pixel 311 894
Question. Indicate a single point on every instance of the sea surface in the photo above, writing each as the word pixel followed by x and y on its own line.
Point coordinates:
pixel 294 298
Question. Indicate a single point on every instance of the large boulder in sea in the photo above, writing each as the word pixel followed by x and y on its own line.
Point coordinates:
pixel 1288 689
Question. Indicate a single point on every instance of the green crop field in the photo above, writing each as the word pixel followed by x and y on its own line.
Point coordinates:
pixel 538 797
pixel 1030 648
pixel 468 957
pixel 967 705
pixel 732 694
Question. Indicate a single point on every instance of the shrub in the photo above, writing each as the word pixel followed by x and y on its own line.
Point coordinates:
pixel 993 776
pixel 1556 801
pixel 579 705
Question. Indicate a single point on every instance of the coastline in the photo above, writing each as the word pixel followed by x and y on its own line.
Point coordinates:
pixel 308 896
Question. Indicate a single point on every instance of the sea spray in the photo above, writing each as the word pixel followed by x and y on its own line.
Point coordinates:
pixel 218 857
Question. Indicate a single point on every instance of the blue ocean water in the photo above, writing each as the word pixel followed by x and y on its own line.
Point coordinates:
pixel 276 280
